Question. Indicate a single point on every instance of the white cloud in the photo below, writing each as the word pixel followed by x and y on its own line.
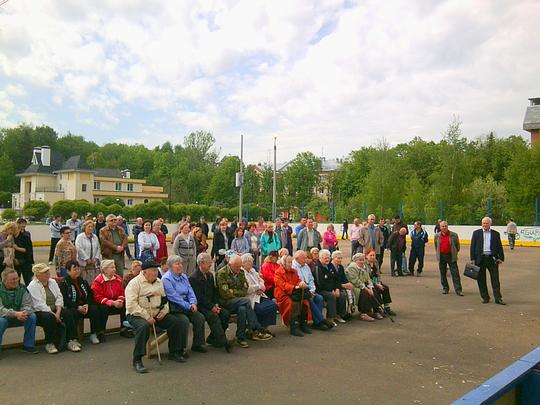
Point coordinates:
pixel 318 73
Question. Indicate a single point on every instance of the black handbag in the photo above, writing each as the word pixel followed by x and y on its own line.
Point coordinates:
pixel 471 271
pixel 298 295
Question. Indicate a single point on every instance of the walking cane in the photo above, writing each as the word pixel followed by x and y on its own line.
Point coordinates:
pixel 157 343
pixel 382 308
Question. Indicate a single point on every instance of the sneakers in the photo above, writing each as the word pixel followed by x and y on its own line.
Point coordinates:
pixel 330 324
pixel 242 343
pixel 378 316
pixel 366 317
pixel 74 346
pixel 94 339
pixel 339 319
pixel 31 350
pixel 320 326
pixel 139 367
pixel 51 348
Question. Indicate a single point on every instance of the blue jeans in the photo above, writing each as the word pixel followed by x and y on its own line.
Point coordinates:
pixel 316 305
pixel 29 328
pixel 245 315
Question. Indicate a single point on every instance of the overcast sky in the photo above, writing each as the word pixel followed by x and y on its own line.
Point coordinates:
pixel 326 76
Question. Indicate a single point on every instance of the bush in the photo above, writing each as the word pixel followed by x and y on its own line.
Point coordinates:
pixel 5 199
pixel 36 208
pixel 108 201
pixel 9 214
pixel 151 210
pixel 66 207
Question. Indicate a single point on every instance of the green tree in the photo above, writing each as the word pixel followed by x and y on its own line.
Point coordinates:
pixel 36 208
pixel 9 214
pixel 8 181
pixel 301 179
pixel 252 185
pixel 108 201
pixel 222 190
pixel 5 199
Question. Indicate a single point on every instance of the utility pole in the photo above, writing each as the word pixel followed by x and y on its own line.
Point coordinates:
pixel 274 185
pixel 241 177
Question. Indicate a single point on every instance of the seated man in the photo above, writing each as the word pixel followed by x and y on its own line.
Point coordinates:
pixel 183 303
pixel 232 288
pixel 328 284
pixel 202 281
pixel 16 309
pixel 146 307
pixel 315 300
pixel 364 295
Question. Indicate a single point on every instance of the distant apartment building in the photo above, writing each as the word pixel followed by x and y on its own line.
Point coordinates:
pixel 50 177
pixel 531 122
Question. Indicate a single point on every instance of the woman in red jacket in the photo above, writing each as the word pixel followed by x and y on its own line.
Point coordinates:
pixel 268 270
pixel 291 295
pixel 108 290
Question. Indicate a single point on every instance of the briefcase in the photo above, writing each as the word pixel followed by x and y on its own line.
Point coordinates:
pixel 471 271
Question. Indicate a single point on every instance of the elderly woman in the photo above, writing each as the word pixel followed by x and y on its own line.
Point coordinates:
pixel 148 243
pixel 358 275
pixel 184 246
pixel 330 241
pixel 183 304
pixel 292 295
pixel 7 246
pixel 346 286
pixel 328 284
pixel 313 258
pixel 48 302
pixel 135 269
pixel 16 309
pixel 381 290
pixel 65 251
pixel 268 270
pixel 108 290
pixel 88 252
pixel 158 228
pixel 264 307
pixel 240 243
pixel 147 308
pixel 79 300
pixel 269 240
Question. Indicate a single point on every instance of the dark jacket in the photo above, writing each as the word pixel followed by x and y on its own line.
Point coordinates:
pixel 393 242
pixel 398 225
pixel 219 242
pixel 204 289
pixel 24 240
pixel 477 246
pixel 418 238
pixel 71 294
pixel 326 277
pixel 204 228
pixel 386 234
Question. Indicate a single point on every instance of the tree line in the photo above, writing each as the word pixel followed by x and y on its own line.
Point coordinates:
pixel 462 178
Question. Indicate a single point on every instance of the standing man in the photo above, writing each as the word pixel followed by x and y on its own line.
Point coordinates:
pixel 113 243
pixel 289 231
pixel 355 236
pixel 487 252
pixel 446 250
pixel 437 228
pixel 24 251
pixel 100 223
pixel 345 229
pixel 397 245
pixel 204 226
pixel 163 228
pixel 281 232
pixel 55 227
pixel 386 234
pixel 75 225
pixel 302 225
pixel 398 224
pixel 371 236
pixel 511 230
pixel 136 230
pixel 308 237
pixel 419 238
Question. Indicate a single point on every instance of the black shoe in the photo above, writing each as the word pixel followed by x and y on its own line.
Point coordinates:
pixel 127 333
pixel 210 340
pixel 445 291
pixel 460 293
pixel 242 343
pixel 401 274
pixel 295 329
pixel 184 354
pixel 347 317
pixel 394 274
pixel 485 300
pixel 500 301
pixel 139 367
pixel 31 350
pixel 388 311
pixel 304 328
pixel 329 323
pixel 177 357
pixel 199 349
pixel 268 332
pixel 101 337
pixel 229 346
pixel 320 326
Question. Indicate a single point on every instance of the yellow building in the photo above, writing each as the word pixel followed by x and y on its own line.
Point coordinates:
pixel 52 178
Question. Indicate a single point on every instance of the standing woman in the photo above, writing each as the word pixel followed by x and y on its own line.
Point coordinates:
pixel 48 302
pixel 65 251
pixel 222 241
pixel 162 239
pixel 148 243
pixel 330 241
pixel 269 241
pixel 254 239
pixel 240 244
pixel 200 240
pixel 7 243
pixel 184 246
pixel 88 252
pixel 24 253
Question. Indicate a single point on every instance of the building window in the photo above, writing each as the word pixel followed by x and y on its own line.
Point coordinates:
pixel 130 187
pixel 96 199
pixel 60 186
pixel 145 200
pixel 84 188
pixel 129 201
pixel 118 187
pixel 97 185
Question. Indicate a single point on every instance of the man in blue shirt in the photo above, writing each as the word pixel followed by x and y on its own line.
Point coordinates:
pixel 419 238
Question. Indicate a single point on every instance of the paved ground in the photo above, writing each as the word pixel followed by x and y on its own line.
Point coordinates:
pixel 439 348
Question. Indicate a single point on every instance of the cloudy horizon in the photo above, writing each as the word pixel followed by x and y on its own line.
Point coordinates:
pixel 326 76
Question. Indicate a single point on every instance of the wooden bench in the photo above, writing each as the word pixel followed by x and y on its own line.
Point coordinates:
pixel 151 342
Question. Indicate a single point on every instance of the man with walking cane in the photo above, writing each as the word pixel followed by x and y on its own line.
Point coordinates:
pixel 146 307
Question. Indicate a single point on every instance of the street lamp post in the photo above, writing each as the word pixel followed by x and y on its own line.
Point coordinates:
pixel 274 184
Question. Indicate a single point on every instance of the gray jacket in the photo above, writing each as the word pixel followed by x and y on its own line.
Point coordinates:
pixel 365 238
pixel 454 245
pixel 302 239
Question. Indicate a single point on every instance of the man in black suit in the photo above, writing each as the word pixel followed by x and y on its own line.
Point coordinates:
pixel 487 252
pixel 217 318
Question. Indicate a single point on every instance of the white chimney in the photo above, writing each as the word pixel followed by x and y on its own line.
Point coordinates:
pixel 46 156
pixel 126 174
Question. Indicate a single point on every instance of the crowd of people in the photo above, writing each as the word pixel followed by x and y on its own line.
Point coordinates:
pixel 252 272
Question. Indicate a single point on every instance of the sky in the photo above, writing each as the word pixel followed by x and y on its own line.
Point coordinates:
pixel 323 76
